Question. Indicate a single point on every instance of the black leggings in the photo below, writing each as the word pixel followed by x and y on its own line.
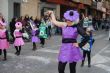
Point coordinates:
pixel 88 53
pixel 61 67
pixel 42 41
pixel 34 45
pixel 5 53
pixel 18 49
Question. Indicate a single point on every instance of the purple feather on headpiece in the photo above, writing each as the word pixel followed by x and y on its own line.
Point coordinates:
pixel 71 15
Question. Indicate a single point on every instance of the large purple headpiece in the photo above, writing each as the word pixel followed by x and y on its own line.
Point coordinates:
pixel 71 15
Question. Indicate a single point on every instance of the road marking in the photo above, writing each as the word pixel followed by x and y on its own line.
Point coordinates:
pixel 44 60
pixel 48 50
pixel 103 49
pixel 97 58
pixel 105 67
pixel 107 51
pixel 52 46
pixel 107 38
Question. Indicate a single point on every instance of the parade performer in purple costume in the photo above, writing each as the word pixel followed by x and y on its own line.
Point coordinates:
pixel 70 49
pixel 35 38
pixel 4 39
pixel 18 38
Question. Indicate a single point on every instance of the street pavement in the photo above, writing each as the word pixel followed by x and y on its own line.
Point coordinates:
pixel 44 60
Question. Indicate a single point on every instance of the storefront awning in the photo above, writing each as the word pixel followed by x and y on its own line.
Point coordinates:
pixel 63 2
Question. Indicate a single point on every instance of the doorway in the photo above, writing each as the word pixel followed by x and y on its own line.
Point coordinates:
pixel 16 9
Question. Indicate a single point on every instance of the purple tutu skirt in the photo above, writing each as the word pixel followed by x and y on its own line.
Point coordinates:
pixel 18 42
pixel 35 39
pixel 69 53
pixel 4 44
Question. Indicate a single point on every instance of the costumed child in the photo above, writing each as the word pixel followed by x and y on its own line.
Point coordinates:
pixel 87 48
pixel 35 39
pixel 4 40
pixel 43 32
pixel 18 38
pixel 70 48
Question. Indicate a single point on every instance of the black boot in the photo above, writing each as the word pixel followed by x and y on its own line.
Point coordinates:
pixel 82 64
pixel 16 47
pixel 34 46
pixel 0 52
pixel 5 55
pixel 19 51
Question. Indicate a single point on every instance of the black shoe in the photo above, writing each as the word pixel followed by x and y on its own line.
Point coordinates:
pixel 34 48
pixel 18 53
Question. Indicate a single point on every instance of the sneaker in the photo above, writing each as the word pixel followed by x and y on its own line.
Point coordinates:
pixel 18 53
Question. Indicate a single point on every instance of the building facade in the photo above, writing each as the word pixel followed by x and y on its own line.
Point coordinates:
pixel 30 7
pixel 17 8
pixel 36 8
pixel 10 9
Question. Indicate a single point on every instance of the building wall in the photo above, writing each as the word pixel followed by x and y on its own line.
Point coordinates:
pixel 4 8
pixel 56 8
pixel 30 8
pixel 11 8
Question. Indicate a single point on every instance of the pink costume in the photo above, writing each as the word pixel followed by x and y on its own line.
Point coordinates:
pixel 4 44
pixel 18 35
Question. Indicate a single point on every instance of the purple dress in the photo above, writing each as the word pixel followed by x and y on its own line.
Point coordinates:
pixel 68 52
pixel 35 39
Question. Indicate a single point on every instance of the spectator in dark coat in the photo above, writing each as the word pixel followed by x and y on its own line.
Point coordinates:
pixel 12 26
